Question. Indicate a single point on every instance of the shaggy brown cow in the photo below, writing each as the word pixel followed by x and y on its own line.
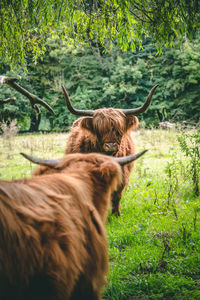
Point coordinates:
pixel 52 242
pixel 107 131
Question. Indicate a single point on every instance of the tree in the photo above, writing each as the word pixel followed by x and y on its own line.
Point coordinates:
pixel 178 72
pixel 25 25
pixel 20 111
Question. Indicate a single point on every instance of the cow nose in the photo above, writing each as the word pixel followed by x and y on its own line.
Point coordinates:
pixel 110 147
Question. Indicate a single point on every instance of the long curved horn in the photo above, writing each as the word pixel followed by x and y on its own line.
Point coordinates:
pixel 143 108
pixel 75 111
pixel 52 163
pixel 128 159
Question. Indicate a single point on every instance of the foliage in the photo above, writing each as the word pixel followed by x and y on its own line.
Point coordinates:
pixel 117 79
pixel 25 25
pixel 190 145
pixel 178 72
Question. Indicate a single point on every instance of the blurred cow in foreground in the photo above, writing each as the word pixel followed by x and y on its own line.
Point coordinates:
pixel 107 131
pixel 52 242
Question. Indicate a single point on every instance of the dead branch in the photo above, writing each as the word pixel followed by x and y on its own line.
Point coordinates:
pixel 34 100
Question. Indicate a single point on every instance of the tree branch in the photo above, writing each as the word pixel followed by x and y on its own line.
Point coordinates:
pixel 12 99
pixel 34 100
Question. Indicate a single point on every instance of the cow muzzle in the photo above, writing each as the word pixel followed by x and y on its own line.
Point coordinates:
pixel 111 148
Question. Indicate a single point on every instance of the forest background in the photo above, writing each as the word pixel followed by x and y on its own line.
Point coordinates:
pixel 95 78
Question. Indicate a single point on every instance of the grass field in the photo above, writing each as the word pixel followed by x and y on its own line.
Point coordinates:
pixel 154 247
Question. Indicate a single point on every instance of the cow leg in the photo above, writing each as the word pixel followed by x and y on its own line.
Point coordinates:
pixel 116 196
pixel 42 287
pixel 84 290
pixel 85 294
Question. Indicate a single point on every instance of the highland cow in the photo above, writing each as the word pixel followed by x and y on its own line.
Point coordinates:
pixel 106 131
pixel 52 243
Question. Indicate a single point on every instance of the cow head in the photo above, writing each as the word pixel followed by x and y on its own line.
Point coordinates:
pixel 108 125
pixel 102 173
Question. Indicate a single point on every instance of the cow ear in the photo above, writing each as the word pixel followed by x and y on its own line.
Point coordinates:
pixel 86 123
pixel 132 122
pixel 108 171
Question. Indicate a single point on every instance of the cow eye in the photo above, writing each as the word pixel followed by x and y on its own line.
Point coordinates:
pixel 118 133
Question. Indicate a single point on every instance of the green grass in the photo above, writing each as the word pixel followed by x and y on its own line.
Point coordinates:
pixel 13 165
pixel 154 247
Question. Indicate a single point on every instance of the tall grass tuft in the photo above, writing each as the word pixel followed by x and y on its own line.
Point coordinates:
pixel 190 145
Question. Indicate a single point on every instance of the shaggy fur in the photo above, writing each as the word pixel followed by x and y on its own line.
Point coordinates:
pixel 52 242
pixel 108 132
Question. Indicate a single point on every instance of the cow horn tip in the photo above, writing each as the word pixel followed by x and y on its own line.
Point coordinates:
pixel 24 154
pixel 28 157
pixel 142 152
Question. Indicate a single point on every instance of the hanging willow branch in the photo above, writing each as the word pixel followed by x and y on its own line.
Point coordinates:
pixel 34 100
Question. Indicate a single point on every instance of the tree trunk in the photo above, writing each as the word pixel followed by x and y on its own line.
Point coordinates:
pixel 35 121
